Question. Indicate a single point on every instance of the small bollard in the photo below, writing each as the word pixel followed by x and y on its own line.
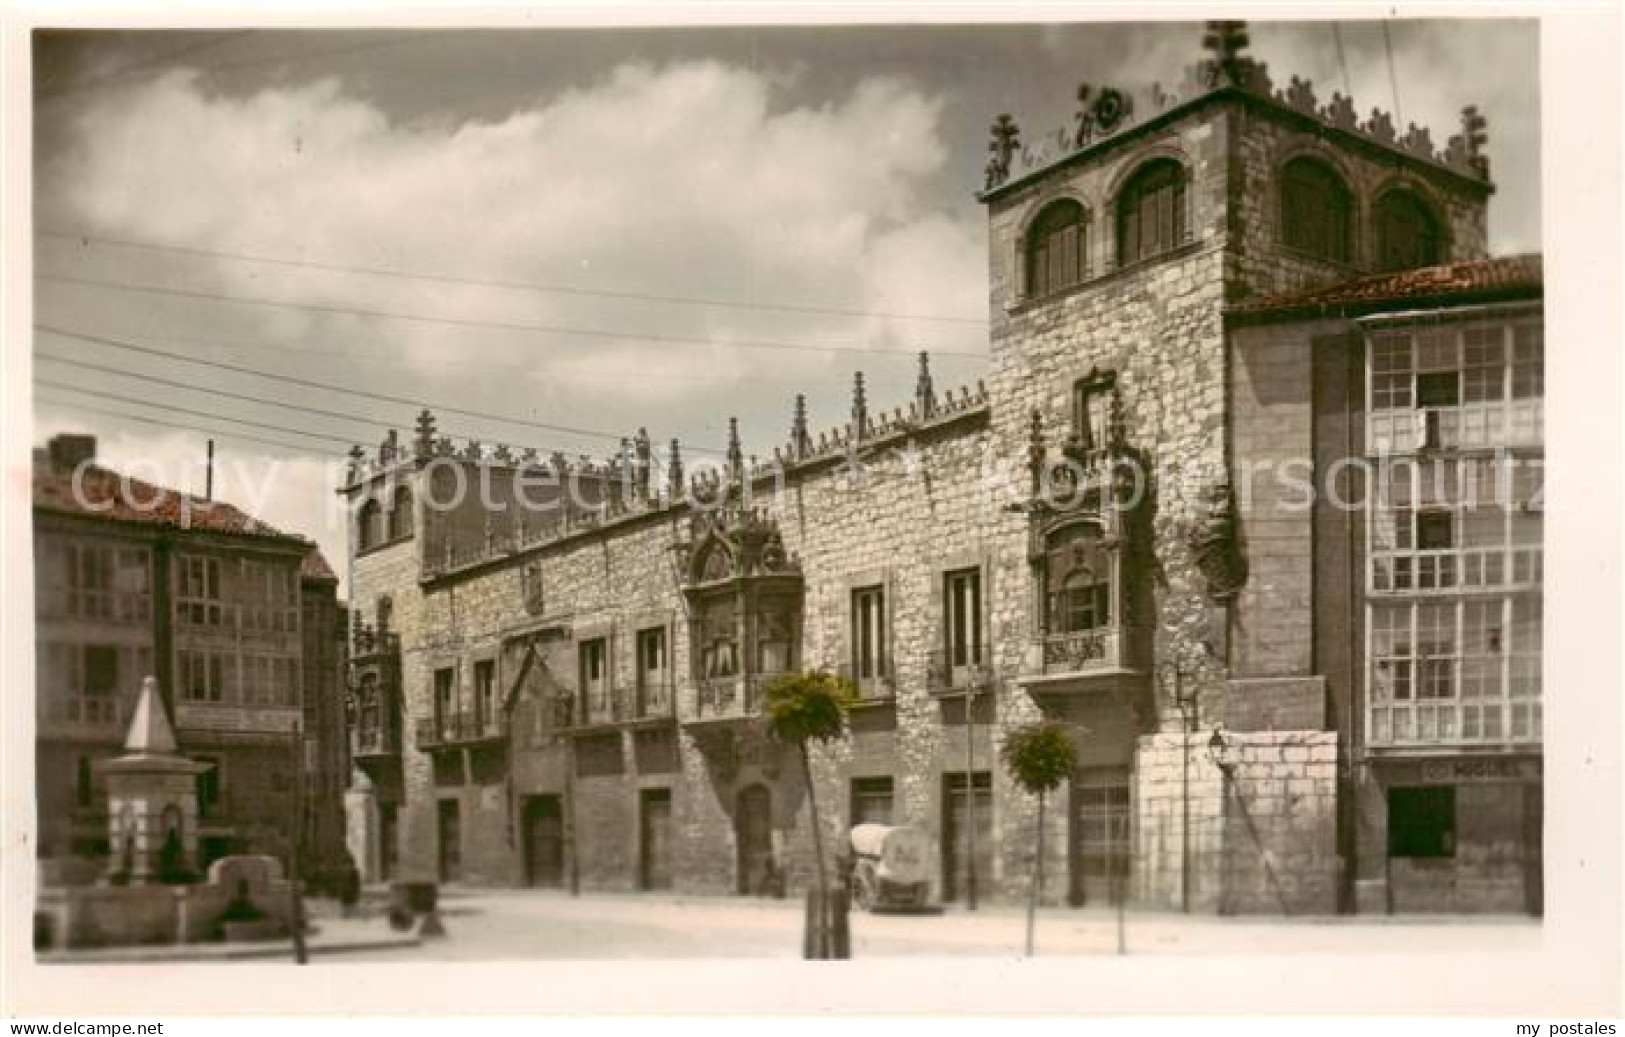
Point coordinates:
pixel 431 925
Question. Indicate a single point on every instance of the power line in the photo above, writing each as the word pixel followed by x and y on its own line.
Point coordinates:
pixel 529 286
pixel 464 322
pixel 310 384
pixel 63 386
pixel 1342 62
pixel 245 397
pixel 1393 77
pixel 126 416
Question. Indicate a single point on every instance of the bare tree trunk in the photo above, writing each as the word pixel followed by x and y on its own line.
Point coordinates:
pixel 1038 877
pixel 821 939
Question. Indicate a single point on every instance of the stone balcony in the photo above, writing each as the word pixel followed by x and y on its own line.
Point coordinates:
pixel 1079 661
pixel 375 743
pixel 456 730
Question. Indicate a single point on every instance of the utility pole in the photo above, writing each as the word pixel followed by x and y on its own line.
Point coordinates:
pixel 208 474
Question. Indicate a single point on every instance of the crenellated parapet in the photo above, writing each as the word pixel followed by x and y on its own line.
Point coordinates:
pixel 636 482
pixel 1106 112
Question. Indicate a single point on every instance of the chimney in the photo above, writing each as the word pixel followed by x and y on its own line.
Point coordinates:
pixel 69 450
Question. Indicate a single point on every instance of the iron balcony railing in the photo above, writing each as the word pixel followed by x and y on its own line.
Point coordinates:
pixel 655 697
pixel 454 729
pixel 876 683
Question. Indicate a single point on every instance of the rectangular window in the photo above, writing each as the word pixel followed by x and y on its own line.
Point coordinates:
pixel 595 678
pixel 1422 821
pixel 445 695
pixel 1102 804
pixel 211 783
pixel 869 633
pixel 1091 414
pixel 1434 530
pixel 872 801
pixel 101 671
pixel 485 693
pixel 1438 389
pixel 962 598
pixel 654 694
pixel 204 675
pixel 200 603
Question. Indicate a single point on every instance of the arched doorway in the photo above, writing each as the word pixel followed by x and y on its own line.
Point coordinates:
pixel 753 835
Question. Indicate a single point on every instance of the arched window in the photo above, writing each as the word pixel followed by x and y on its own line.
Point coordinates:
pixel 400 513
pixel 1315 210
pixel 1151 212
pixel 369 530
pixel 1057 248
pixel 1077 581
pixel 1407 232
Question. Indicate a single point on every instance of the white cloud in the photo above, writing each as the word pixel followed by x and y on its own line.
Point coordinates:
pixel 680 180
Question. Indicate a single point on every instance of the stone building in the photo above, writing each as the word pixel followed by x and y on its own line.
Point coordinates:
pixel 561 687
pixel 239 623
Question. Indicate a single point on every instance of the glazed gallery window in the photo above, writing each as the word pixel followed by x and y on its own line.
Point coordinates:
pixel 1151 212
pixel 205 677
pixel 85 683
pixel 1442 524
pixel 1462 386
pixel 1315 210
pixel 1422 821
pixel 1077 581
pixel 95 581
pixel 199 591
pixel 1455 672
pixel 1057 249
pixel 869 633
pixel 1406 231
pixel 270 597
pixel 270 680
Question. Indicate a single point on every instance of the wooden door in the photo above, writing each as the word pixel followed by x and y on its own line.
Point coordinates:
pixel 544 842
pixel 753 834
pixel 654 844
pixel 959 811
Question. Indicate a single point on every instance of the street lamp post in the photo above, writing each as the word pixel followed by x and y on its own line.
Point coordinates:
pixel 1223 754
pixel 1186 702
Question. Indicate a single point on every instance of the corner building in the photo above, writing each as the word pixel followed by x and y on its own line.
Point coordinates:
pixel 567 693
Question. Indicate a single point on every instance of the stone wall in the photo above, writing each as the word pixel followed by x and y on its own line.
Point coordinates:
pixel 1262 840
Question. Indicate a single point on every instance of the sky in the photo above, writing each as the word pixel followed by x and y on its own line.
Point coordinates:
pixel 571 234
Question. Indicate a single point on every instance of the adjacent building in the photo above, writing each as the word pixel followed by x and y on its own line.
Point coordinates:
pixel 240 624
pixel 1208 307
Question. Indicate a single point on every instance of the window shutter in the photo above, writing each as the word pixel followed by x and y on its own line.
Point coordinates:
pixel 1063 248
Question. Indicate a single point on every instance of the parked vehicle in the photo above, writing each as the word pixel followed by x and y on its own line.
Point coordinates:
pixel 890 867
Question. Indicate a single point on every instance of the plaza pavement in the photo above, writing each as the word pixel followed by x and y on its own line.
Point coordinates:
pixel 496 925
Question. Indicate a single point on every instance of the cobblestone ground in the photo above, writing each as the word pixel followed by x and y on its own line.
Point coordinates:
pixel 514 925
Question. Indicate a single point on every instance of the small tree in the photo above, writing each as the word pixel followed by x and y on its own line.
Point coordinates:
pixel 1039 757
pixel 802 708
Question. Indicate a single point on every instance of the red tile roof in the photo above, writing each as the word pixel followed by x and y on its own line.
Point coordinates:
pixel 315 567
pixel 1470 280
pixel 111 496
